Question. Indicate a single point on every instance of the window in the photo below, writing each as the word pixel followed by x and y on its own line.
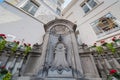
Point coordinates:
pixel 105 25
pixel 88 5
pixel 31 7
pixel 58 11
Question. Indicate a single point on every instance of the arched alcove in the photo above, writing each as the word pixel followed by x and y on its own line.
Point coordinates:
pixel 60 55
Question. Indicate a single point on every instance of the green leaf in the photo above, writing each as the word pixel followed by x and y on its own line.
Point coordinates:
pixel 99 49
pixel 111 47
pixel 2 44
pixel 27 50
pixel 7 76
pixel 109 77
pixel 14 47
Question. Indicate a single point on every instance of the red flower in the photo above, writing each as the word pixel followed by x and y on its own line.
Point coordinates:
pixel 114 38
pixel 29 44
pixel 14 41
pixel 25 44
pixel 95 44
pixel 3 67
pixel 2 35
pixel 102 41
pixel 5 37
pixel 18 42
pixel 113 71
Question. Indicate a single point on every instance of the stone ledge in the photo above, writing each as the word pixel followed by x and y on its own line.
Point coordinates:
pixel 94 79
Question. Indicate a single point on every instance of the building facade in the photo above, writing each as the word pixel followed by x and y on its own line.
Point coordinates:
pixel 23 13
pixel 17 25
pixel 44 10
pixel 96 19
pixel 57 54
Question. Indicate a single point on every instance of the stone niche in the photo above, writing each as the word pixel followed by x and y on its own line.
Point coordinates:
pixel 59 58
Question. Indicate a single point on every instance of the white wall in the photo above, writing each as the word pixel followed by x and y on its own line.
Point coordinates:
pixel 22 26
pixel 45 12
pixel 87 35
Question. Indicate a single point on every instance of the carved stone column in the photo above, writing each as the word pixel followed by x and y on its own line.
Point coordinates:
pixel 44 50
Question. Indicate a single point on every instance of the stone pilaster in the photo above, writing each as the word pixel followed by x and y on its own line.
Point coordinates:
pixel 76 56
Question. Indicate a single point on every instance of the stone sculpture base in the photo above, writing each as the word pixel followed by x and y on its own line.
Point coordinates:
pixel 29 78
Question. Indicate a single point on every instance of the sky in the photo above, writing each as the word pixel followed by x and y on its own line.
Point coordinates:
pixel 1 1
pixel 66 3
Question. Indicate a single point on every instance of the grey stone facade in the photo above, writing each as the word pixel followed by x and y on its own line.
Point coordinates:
pixel 59 56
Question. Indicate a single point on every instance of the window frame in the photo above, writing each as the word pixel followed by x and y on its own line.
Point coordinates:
pixel 33 5
pixel 85 2
pixel 100 32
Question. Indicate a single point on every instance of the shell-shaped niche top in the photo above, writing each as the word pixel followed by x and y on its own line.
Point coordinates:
pixel 60 26
pixel 60 29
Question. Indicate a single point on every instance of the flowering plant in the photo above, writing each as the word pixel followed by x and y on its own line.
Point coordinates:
pixel 4 74
pixel 113 73
pixel 109 46
pixel 14 46
pixel 114 39
pixel 99 49
pixel 2 41
pixel 27 48
pixel 103 43
pixel 8 76
pixel 94 45
pixel 3 70
pixel 2 36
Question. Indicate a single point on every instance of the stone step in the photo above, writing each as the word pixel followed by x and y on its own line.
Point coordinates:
pixel 59 79
pixel 29 78
pixel 95 79
pixel 24 78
